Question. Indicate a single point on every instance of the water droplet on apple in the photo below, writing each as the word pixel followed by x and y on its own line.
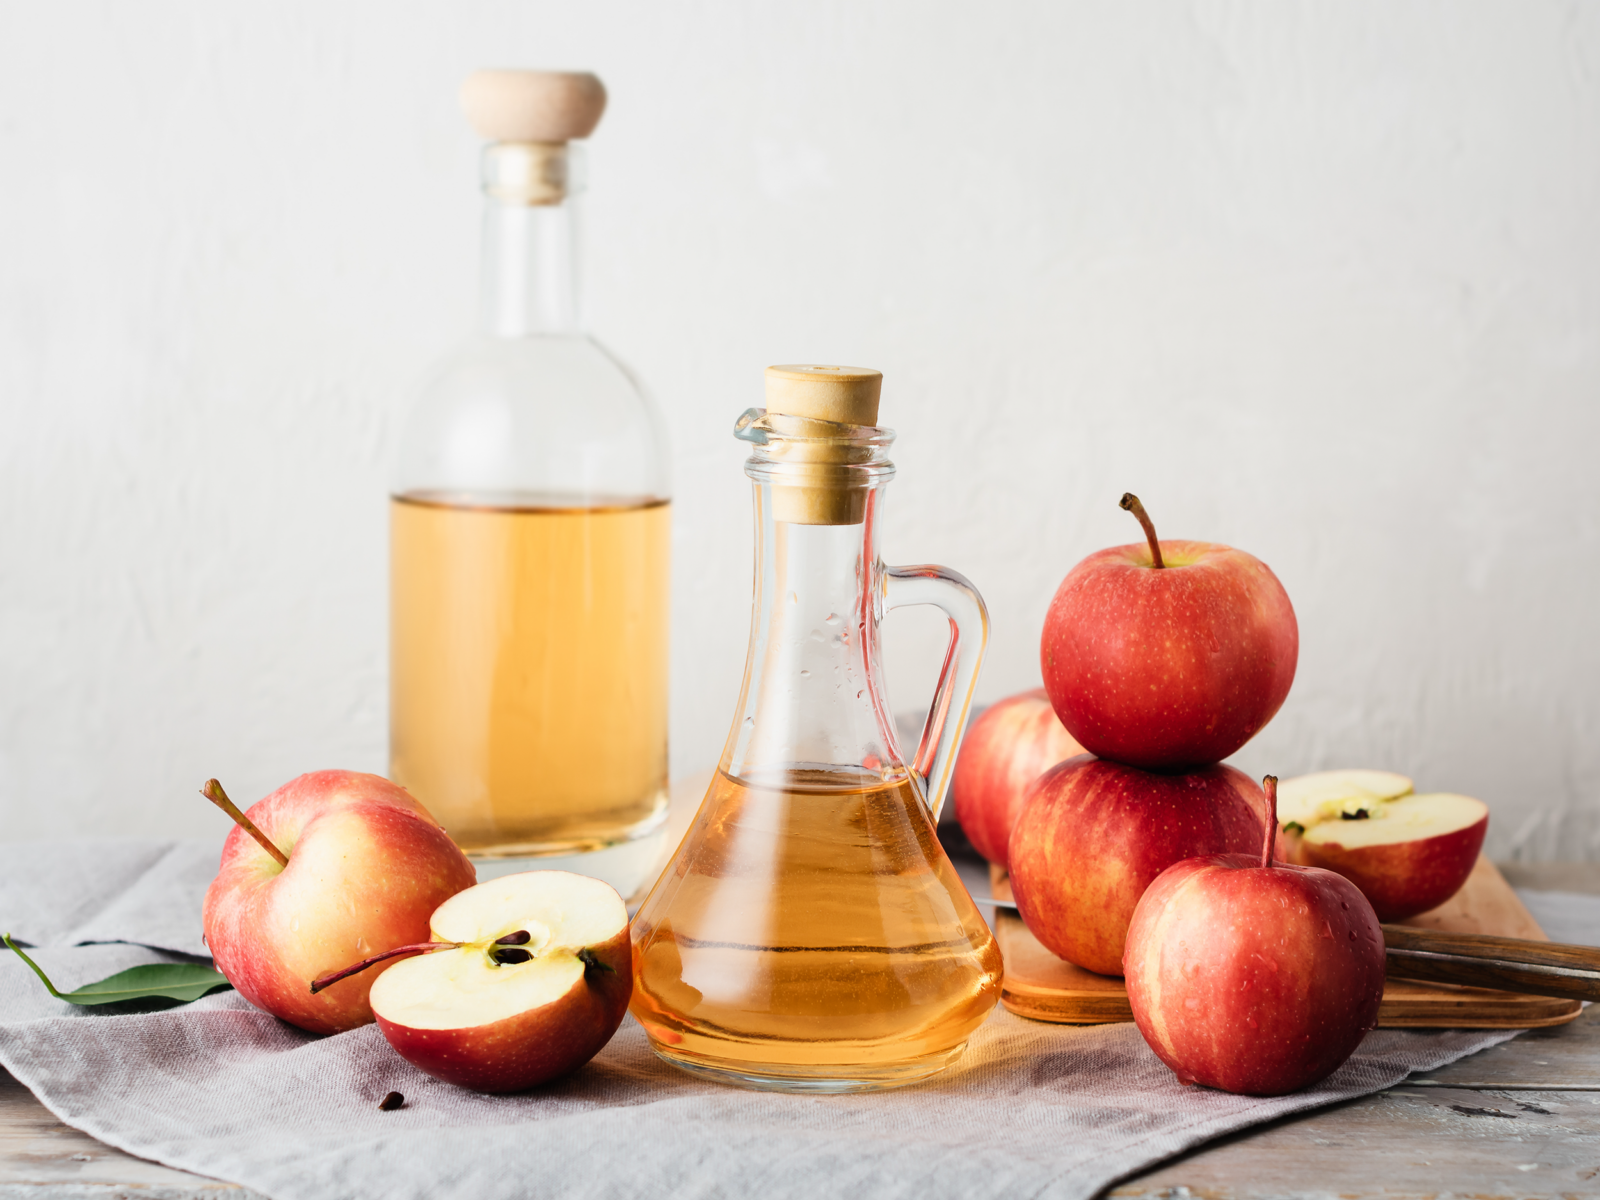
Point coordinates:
pixel 1344 904
pixel 1352 932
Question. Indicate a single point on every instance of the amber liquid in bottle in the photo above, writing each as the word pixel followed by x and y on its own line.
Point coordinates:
pixel 813 922
pixel 528 706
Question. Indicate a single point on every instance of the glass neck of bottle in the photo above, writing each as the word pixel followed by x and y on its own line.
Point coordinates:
pixel 530 261
pixel 529 269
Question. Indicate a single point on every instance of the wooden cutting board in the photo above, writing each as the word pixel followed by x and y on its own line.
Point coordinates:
pixel 1041 986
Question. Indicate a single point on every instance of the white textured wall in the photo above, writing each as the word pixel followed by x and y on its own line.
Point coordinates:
pixel 1318 280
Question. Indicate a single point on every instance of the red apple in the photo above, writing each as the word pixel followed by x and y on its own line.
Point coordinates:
pixel 1250 977
pixel 1407 855
pixel 532 979
pixel 1168 655
pixel 1094 834
pixel 1014 742
pixel 362 868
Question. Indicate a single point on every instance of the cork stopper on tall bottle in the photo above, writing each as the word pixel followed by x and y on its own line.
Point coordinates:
pixel 811 408
pixel 529 117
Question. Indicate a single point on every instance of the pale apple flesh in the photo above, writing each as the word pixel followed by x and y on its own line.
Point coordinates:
pixel 1407 855
pixel 1014 742
pixel 367 867
pixel 481 1018
pixel 1308 800
pixel 1094 834
pixel 1255 979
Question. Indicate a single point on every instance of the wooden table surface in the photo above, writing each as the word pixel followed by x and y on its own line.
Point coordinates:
pixel 1521 1120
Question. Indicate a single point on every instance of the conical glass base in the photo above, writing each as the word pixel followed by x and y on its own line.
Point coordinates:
pixel 829 1080
pixel 811 935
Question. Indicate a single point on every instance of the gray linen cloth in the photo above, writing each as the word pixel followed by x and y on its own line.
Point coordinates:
pixel 221 1089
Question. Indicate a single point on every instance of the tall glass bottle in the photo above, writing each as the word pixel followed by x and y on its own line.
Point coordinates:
pixel 530 531
pixel 810 934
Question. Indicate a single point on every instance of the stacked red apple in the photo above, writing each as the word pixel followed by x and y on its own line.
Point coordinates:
pixel 1160 659
pixel 334 877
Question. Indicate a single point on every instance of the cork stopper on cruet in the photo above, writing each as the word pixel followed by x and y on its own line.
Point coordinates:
pixel 819 488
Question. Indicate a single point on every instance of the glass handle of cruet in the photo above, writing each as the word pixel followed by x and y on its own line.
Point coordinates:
pixel 950 592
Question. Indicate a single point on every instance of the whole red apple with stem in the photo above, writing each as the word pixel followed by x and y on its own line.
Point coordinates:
pixel 331 866
pixel 1253 977
pixel 1094 834
pixel 1014 742
pixel 525 979
pixel 1168 655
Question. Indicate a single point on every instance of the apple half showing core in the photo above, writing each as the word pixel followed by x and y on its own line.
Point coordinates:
pixel 1309 800
pixel 500 1012
pixel 1407 855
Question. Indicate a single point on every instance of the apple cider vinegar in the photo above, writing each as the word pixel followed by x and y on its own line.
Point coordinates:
pixel 812 924
pixel 528 670
pixel 529 535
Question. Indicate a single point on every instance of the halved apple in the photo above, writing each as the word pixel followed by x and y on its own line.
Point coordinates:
pixel 536 983
pixel 1406 855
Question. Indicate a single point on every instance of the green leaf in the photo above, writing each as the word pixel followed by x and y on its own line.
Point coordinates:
pixel 169 981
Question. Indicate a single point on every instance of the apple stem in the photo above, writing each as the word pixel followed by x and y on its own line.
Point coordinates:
pixel 1269 783
pixel 214 793
pixel 1131 502
pixel 420 948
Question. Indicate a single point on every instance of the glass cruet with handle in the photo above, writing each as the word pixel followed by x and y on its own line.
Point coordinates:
pixel 810 934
